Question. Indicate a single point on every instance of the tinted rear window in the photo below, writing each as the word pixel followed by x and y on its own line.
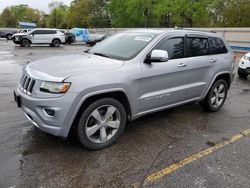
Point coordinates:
pixel 217 46
pixel 198 46
pixel 223 48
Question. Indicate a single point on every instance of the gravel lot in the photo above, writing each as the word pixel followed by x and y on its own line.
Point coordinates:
pixel 31 158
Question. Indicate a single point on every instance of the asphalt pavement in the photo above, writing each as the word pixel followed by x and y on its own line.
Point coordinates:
pixel 179 147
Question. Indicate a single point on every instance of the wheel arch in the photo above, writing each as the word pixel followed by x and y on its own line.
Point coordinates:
pixel 56 39
pixel 119 95
pixel 26 39
pixel 222 75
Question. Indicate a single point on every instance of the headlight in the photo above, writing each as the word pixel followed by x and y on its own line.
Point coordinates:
pixel 55 87
pixel 247 58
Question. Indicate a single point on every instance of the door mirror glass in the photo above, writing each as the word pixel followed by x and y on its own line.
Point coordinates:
pixel 158 56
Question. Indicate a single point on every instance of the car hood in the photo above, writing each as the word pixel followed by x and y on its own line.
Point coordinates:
pixel 19 34
pixel 59 68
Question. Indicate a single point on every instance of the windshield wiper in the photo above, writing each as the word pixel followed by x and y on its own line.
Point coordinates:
pixel 100 54
pixel 86 51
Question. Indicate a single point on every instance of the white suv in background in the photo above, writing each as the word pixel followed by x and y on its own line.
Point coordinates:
pixel 53 37
pixel 244 66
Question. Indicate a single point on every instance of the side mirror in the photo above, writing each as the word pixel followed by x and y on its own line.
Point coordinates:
pixel 158 56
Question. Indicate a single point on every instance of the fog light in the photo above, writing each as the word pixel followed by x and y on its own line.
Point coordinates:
pixel 49 112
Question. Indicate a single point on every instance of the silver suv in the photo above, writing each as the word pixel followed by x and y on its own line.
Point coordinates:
pixel 126 76
pixel 53 37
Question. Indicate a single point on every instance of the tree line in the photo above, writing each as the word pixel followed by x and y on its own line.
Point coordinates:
pixel 133 13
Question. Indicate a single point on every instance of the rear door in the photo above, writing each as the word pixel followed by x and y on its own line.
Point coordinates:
pixel 49 36
pixel 200 65
pixel 38 36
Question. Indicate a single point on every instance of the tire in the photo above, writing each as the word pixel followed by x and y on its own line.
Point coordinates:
pixel 94 131
pixel 56 43
pixel 9 36
pixel 242 75
pixel 25 43
pixel 215 100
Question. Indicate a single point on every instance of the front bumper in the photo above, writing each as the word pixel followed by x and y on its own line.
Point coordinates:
pixel 35 110
pixel 244 71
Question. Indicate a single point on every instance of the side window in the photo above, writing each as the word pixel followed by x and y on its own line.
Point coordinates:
pixel 51 32
pixel 174 47
pixel 40 32
pixel 215 48
pixel 223 48
pixel 198 47
pixel 36 32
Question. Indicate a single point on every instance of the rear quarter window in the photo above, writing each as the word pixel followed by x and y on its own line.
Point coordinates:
pixel 217 46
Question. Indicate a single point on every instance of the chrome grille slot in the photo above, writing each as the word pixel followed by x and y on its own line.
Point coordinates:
pixel 27 84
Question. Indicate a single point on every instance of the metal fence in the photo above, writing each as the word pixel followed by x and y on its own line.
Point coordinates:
pixel 238 38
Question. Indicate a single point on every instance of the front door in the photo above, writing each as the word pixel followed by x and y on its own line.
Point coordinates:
pixel 165 83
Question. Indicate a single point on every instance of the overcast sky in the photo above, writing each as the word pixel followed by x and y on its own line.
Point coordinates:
pixel 39 4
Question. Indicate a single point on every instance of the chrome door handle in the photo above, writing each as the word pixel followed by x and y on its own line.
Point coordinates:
pixel 212 60
pixel 182 65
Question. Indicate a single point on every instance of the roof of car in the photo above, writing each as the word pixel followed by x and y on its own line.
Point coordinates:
pixel 45 29
pixel 175 30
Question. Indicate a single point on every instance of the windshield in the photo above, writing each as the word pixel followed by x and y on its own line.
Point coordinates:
pixel 123 46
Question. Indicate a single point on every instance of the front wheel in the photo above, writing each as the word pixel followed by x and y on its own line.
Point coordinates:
pixel 9 36
pixel 101 123
pixel 216 96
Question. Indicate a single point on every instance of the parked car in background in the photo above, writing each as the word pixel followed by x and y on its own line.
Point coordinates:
pixel 93 40
pixel 128 75
pixel 7 33
pixel 24 30
pixel 81 34
pixel 244 66
pixel 21 31
pixel 53 37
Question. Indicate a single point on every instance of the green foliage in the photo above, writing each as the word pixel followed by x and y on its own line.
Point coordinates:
pixel 78 14
pixel 8 18
pixel 99 14
pixel 133 13
pixel 57 16
pixel 236 13
pixel 14 14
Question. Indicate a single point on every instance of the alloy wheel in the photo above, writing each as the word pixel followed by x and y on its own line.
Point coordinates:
pixel 218 96
pixel 102 124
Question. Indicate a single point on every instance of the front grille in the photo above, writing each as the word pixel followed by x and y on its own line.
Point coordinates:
pixel 27 84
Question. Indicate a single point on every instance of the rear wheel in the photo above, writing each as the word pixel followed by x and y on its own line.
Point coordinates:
pixel 216 96
pixel 25 43
pixel 101 123
pixel 56 43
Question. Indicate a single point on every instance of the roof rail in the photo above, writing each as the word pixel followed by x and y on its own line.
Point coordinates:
pixel 180 28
